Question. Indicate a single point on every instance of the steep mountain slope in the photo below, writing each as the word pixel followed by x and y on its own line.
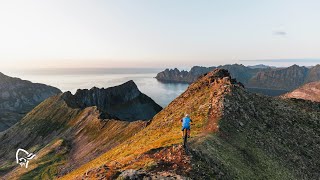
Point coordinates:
pixel 236 135
pixel 314 74
pixel 65 136
pixel 310 91
pixel 18 97
pixel 286 79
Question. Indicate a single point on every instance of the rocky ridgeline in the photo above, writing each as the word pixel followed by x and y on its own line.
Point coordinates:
pixel 123 102
pixel 18 97
pixel 258 137
pixel 256 79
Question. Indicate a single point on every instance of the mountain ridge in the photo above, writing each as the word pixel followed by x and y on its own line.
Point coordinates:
pixel 18 97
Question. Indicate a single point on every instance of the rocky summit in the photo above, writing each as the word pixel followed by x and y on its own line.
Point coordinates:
pixel 18 97
pixel 235 134
pixel 66 131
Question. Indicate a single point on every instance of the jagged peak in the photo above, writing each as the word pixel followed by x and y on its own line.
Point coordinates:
pixel 127 85
pixel 127 90
pixel 123 102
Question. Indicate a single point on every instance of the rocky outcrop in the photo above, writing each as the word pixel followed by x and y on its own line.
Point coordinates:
pixel 310 91
pixel 18 97
pixel 123 102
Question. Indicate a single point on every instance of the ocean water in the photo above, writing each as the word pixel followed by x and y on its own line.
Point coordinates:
pixel 73 79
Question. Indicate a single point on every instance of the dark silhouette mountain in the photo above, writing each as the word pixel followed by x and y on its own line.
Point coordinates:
pixel 66 131
pixel 18 97
pixel 123 102
pixel 236 135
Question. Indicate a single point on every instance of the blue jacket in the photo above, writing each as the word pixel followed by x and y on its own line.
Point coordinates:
pixel 186 122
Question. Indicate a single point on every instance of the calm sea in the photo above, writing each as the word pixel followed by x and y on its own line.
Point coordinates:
pixel 73 79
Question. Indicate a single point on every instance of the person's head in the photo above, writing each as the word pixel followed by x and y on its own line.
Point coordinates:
pixel 187 115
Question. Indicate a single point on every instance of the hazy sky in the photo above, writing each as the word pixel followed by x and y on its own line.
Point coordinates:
pixel 152 33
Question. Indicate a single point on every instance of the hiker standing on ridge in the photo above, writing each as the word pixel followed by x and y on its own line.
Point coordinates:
pixel 186 124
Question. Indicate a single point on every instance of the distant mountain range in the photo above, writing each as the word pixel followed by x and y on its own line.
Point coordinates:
pixel 260 78
pixel 261 66
pixel 18 97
